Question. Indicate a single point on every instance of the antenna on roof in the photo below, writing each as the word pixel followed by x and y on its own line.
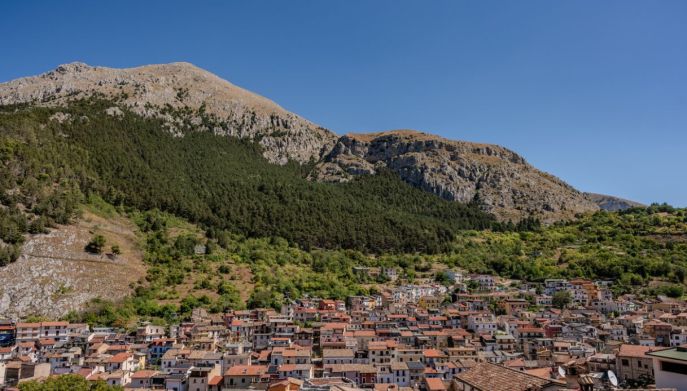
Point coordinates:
pixel 612 378
pixel 561 371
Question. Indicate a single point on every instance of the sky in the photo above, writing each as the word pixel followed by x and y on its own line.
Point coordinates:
pixel 594 92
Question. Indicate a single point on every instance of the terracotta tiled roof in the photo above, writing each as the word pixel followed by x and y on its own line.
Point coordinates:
pixel 215 380
pixel 246 370
pixel 119 358
pixel 144 374
pixel 329 353
pixel 296 353
pixel 435 384
pixel 544 373
pixel 335 325
pixel 492 377
pixel 433 353
pixel 635 351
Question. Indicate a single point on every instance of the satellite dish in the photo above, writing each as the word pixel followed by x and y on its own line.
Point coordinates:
pixel 612 378
pixel 561 371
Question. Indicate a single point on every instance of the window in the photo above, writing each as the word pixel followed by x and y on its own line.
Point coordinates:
pixel 626 363
pixel 674 367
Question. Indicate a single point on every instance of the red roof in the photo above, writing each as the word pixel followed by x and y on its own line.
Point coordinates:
pixel 246 370
pixel 334 326
pixel 215 381
pixel 119 358
pixel 636 351
pixel 434 384
pixel 432 353
pixel 144 374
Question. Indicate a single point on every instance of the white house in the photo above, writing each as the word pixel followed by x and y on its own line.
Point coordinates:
pixel 670 367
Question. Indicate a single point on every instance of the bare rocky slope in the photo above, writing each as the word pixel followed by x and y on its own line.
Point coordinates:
pixel 54 275
pixel 499 179
pixel 612 203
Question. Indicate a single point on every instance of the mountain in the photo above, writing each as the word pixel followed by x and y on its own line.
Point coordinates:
pixel 188 98
pixel 158 90
pixel 611 203
pixel 497 178
pixel 51 157
pixel 163 160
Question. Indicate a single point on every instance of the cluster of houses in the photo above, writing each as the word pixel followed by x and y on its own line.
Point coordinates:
pixel 499 336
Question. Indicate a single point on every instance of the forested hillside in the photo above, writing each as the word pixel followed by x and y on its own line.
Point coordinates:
pixel 270 234
pixel 643 250
pixel 51 157
pixel 635 248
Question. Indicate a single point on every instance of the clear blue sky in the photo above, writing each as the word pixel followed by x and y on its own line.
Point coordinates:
pixel 594 92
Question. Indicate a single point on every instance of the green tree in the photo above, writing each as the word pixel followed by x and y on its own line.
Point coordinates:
pixel 442 278
pixel 115 249
pixel 561 299
pixel 96 245
pixel 67 383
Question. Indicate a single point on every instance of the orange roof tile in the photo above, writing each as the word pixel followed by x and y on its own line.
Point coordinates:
pixel 434 384
pixel 144 374
pixel 215 380
pixel 635 351
pixel 246 370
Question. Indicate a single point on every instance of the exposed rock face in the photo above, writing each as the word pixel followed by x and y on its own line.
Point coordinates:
pixel 498 178
pixel 54 275
pixel 611 203
pixel 148 90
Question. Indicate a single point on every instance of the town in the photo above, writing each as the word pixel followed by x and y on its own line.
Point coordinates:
pixel 469 333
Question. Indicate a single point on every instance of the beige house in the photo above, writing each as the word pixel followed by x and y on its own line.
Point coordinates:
pixel 633 364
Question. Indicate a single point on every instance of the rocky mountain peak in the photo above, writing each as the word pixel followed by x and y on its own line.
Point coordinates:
pixel 149 89
pixel 72 67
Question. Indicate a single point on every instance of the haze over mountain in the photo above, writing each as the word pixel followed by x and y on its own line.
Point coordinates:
pixel 500 180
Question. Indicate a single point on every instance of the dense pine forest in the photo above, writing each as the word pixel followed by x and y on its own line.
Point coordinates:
pixel 221 183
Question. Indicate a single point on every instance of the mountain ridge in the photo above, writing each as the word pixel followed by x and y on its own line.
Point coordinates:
pixel 151 89
pixel 496 177
pixel 613 203
pixel 186 96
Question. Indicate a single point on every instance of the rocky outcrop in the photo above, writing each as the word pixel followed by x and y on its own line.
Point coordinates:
pixel 54 275
pixel 499 179
pixel 611 203
pixel 158 90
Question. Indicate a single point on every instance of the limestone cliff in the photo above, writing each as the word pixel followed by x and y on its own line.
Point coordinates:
pixel 499 179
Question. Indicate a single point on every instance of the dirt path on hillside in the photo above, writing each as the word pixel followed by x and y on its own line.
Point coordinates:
pixel 54 274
